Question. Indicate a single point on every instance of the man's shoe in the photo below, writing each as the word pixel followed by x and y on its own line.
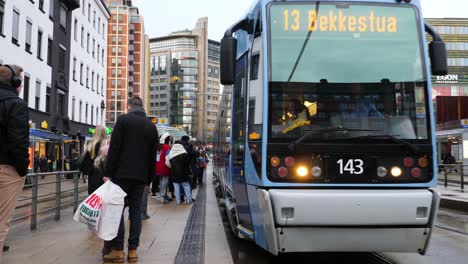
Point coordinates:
pixel 145 216
pixel 115 256
pixel 168 198
pixel 132 256
pixel 6 248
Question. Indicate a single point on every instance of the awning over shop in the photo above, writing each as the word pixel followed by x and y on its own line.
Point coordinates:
pixel 43 135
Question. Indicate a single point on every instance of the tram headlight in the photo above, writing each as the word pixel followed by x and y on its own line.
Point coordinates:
pixel 382 171
pixel 396 172
pixel 302 171
pixel 316 171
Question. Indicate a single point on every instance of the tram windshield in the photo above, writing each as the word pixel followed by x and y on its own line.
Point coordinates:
pixel 354 66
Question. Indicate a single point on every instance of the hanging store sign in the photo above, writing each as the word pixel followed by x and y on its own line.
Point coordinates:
pixel 464 123
pixel 449 78
pixel 44 124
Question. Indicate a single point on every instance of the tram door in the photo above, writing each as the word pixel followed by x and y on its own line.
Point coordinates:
pixel 238 143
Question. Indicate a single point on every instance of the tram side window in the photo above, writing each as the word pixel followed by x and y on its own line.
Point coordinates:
pixel 254 67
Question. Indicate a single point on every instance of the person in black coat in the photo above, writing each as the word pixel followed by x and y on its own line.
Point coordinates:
pixel 14 143
pixel 179 162
pixel 131 165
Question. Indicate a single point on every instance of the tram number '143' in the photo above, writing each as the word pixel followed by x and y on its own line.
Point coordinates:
pixel 352 166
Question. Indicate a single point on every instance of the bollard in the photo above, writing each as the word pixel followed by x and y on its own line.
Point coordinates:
pixel 75 191
pixel 445 176
pixel 57 197
pixel 35 187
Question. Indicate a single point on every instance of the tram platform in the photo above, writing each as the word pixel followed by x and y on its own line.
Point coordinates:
pixel 173 234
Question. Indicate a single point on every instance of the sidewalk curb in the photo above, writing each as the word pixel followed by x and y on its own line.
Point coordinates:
pixel 454 204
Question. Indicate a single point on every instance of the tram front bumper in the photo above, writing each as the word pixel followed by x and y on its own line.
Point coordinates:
pixel 348 220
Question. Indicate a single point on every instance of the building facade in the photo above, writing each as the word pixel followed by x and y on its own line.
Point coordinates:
pixel 125 68
pixel 25 29
pixel 450 92
pixel 184 86
pixel 88 65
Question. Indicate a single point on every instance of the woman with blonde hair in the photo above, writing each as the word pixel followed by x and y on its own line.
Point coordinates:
pixel 99 140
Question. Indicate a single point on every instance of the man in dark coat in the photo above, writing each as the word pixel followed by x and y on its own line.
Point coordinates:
pixel 14 143
pixel 192 156
pixel 131 165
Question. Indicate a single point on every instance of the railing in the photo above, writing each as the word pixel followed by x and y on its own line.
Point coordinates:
pixel 41 196
pixel 447 169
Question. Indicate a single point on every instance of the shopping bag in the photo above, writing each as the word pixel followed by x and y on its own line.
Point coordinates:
pixel 102 210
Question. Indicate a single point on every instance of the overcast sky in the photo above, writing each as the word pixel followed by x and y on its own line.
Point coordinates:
pixel 165 16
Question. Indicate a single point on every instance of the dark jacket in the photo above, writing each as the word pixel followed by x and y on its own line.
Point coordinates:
pixel 14 131
pixel 133 147
pixel 179 162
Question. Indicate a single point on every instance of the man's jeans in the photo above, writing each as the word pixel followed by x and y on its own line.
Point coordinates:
pixel 187 192
pixel 134 192
pixel 164 181
pixel 144 201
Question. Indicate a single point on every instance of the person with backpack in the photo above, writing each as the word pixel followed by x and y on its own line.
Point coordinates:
pixel 14 143
pixel 95 177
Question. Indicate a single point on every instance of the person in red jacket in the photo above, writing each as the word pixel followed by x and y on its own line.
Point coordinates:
pixel 162 171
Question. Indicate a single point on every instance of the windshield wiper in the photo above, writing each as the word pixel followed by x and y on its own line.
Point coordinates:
pixel 412 147
pixel 292 146
pixel 305 43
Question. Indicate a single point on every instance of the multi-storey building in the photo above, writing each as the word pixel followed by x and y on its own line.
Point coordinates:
pixel 184 85
pixel 126 69
pixel 213 88
pixel 36 35
pixel 450 92
pixel 88 65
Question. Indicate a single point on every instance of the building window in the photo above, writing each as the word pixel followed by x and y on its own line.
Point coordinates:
pixel 89 12
pixel 97 83
pixel 73 108
pixel 120 17
pixel 81 73
pixel 38 95
pixel 99 25
pixel 82 37
pixel 94 19
pixel 74 69
pixel 62 57
pixel 86 113
pixel 48 91
pixel 92 114
pixel 2 12
pixel 39 44
pixel 80 111
pixel 49 52
pixel 94 48
pixel 102 86
pixel 98 50
pixel 26 89
pixel 87 45
pixel 15 32
pixel 63 17
pixel 83 11
pixel 87 77
pixel 92 81
pixel 41 5
pixel 61 103
pixel 102 57
pixel 28 36
pixel 51 9
pixel 75 30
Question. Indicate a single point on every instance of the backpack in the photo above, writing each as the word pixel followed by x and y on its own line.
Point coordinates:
pixel 86 164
